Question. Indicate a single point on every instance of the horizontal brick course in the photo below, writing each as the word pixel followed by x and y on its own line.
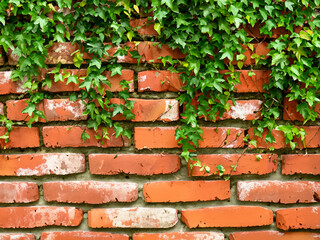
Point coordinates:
pixel 80 235
pixel 179 236
pixel 18 192
pixel 70 136
pixel 242 163
pixel 92 192
pixel 298 218
pixel 32 217
pixel 21 137
pixel 132 218
pixel 41 164
pixel 186 191
pixel 140 164
pixel 228 216
pixel 301 164
pixel 278 191
pixel 16 236
pixel 163 137
pixel 274 235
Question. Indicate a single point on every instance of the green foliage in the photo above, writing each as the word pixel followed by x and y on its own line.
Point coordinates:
pixel 209 32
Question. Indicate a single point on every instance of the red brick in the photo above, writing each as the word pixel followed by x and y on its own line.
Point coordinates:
pixel 15 108
pixel 18 192
pixel 165 110
pixel 16 236
pixel 31 217
pixel 261 143
pixel 259 49
pixel 21 137
pixel 246 164
pixel 248 84
pixel 186 191
pixel 159 81
pixel 41 164
pixel 1 109
pixel 298 218
pixel 70 136
pixel 274 235
pixel 7 86
pixel 132 218
pixel 92 192
pixel 179 236
pixel 301 163
pixel 151 52
pixel 312 137
pixel 229 216
pixel 279 192
pixel 290 111
pixel 140 164
pixel 54 110
pixel 164 137
pixel 143 26
pixel 244 110
pixel 61 86
pixel 79 235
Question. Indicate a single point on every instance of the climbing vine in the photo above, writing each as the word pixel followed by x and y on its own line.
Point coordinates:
pixel 211 34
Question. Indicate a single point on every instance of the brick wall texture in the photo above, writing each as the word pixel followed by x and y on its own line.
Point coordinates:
pixel 54 186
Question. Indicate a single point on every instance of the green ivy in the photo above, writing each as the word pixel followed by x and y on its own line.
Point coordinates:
pixel 211 34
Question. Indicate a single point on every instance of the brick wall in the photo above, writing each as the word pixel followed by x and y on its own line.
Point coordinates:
pixel 54 186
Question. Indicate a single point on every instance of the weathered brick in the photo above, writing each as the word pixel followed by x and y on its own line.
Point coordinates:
pixel 132 218
pixel 151 52
pixel 1 109
pixel 244 110
pixel 248 84
pixel 54 110
pixel 179 236
pixel 70 136
pixel 261 143
pixel 274 235
pixel 186 191
pixel 61 86
pixel 312 137
pixel 21 137
pixel 143 26
pixel 301 164
pixel 140 164
pixel 41 164
pixel 79 235
pixel 16 236
pixel 7 86
pixel 165 110
pixel 164 137
pixel 18 192
pixel 290 110
pixel 92 192
pixel 31 217
pixel 298 218
pixel 279 192
pixel 259 49
pixel 229 216
pixel 159 81
pixel 245 164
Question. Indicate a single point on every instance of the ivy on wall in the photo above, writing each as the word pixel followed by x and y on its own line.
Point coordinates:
pixel 211 34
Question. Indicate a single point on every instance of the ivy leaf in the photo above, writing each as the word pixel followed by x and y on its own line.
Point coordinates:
pixel 169 3
pixel 29 109
pixel 84 135
pixel 116 69
pixel 42 20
